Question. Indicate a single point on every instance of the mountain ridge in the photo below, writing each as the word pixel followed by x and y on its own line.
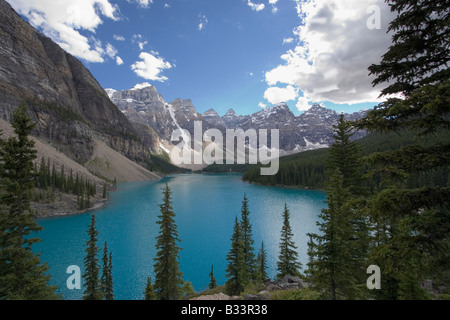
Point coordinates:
pixel 309 130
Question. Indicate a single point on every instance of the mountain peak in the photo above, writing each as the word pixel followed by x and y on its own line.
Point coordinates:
pixel 230 112
pixel 210 112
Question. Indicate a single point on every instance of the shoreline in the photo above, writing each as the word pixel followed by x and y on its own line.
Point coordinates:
pixel 283 186
pixel 68 207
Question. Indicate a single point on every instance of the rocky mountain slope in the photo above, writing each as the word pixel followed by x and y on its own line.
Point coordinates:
pixel 72 111
pixel 310 130
pixel 78 128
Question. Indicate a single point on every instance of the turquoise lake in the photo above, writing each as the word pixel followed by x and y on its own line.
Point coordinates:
pixel 205 206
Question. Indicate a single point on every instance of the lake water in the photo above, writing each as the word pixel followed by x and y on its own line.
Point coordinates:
pixel 205 206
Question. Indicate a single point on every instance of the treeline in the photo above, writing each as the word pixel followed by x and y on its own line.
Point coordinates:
pixel 309 169
pixel 48 180
pixel 22 275
pixel 305 170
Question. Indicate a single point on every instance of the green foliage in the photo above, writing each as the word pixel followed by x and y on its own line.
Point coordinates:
pixel 22 276
pixel 149 292
pixel 338 253
pixel 303 170
pixel 161 164
pixel 91 278
pixel 212 279
pixel 261 264
pixel 288 263
pixel 50 180
pixel 167 273
pixel 107 278
pixel 295 294
pixel 410 211
pixel 247 239
pixel 236 272
pixel 187 290
pixel 242 268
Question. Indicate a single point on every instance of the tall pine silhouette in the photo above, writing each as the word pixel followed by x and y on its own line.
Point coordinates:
pixel 236 270
pixel 411 223
pixel 168 277
pixel 22 276
pixel 288 263
pixel 93 290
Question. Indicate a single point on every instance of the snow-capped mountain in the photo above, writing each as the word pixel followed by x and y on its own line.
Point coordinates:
pixel 144 106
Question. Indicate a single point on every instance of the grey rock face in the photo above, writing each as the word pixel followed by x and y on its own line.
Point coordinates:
pixel 64 99
pixel 312 129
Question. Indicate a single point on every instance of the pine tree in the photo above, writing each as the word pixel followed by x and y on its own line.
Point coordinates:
pixel 331 263
pixel 187 290
pixel 107 279
pixel 212 279
pixel 168 277
pixel 288 263
pixel 411 223
pixel 345 155
pixel 149 292
pixel 22 276
pixel 236 268
pixel 105 191
pixel 261 264
pixel 247 240
pixel 93 284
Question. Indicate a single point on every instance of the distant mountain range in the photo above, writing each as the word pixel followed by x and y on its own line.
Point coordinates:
pixel 145 107
pixel 88 124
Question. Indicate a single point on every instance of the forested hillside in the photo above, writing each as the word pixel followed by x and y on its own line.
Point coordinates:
pixel 308 169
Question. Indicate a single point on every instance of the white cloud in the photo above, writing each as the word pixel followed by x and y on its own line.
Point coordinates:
pixel 110 50
pixel 256 6
pixel 143 3
pixel 63 20
pixel 303 104
pixel 119 61
pixel 151 66
pixel 273 3
pixel 276 94
pixel 118 37
pixel 335 49
pixel 288 40
pixel 262 105
pixel 139 39
pixel 203 22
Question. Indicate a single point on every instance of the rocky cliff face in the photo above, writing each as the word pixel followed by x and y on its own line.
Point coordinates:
pixel 312 129
pixel 69 106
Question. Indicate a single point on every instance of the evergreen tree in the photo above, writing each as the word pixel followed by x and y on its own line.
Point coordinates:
pixel 167 272
pixel 105 191
pixel 288 263
pixel 411 223
pixel 338 255
pixel 93 284
pixel 187 290
pixel 107 279
pixel 247 240
pixel 212 279
pixel 149 293
pixel 345 155
pixel 236 268
pixel 331 260
pixel 22 276
pixel 261 264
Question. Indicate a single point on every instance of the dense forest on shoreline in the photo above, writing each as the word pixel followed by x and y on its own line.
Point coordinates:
pixel 308 169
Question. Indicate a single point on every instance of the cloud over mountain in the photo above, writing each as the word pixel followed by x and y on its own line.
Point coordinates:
pixel 335 48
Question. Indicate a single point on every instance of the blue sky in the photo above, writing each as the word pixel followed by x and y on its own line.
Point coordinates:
pixel 221 54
